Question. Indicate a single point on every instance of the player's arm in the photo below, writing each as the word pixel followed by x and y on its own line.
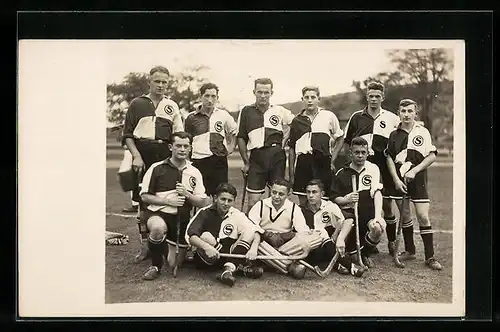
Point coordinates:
pixel 128 137
pixel 242 139
pixel 291 164
pixel 428 160
pixel 194 231
pixel 338 137
pixel 344 231
pixel 231 128
pixel 197 198
pixel 390 152
pixel 287 123
pixel 178 124
pixel 349 132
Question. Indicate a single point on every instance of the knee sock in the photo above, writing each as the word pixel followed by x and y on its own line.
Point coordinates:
pixel 157 249
pixel 427 238
pixel 408 236
pixel 391 228
pixel 241 248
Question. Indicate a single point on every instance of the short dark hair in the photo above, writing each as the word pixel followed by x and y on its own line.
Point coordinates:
pixel 262 80
pixel 208 86
pixel 310 88
pixel 316 182
pixel 281 182
pixel 181 135
pixel 360 141
pixel 225 188
pixel 159 69
pixel 407 102
pixel 375 86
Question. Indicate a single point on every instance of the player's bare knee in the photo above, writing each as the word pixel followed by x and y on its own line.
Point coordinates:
pixel 208 238
pixel 157 228
pixel 423 220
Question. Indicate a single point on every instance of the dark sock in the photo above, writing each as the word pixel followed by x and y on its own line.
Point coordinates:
pixel 240 249
pixel 391 228
pixel 408 236
pixel 345 261
pixel 368 246
pixel 157 249
pixel 427 238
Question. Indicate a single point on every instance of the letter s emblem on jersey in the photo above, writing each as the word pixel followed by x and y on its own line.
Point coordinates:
pixel 168 109
pixel 274 120
pixel 228 229
pixel 382 124
pixel 192 181
pixel 366 179
pixel 325 217
pixel 418 140
pixel 218 126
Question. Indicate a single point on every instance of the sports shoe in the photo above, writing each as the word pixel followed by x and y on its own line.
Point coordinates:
pixel 407 256
pixel 227 278
pixel 130 209
pixel 368 262
pixel 143 253
pixel 433 264
pixel 356 270
pixel 391 247
pixel 342 269
pixel 254 272
pixel 152 273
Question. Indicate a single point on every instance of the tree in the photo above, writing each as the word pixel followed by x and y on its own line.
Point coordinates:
pixel 427 69
pixel 182 88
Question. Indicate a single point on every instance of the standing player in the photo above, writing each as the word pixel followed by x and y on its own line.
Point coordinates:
pixel 409 153
pixel 263 128
pixel 150 121
pixel 325 216
pixel 214 137
pixel 282 220
pixel 316 140
pixel 375 124
pixel 368 195
pixel 220 228
pixel 170 188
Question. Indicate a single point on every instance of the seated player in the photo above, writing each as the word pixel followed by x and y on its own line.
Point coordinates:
pixel 409 153
pixel 325 216
pixel 170 188
pixel 221 228
pixel 282 220
pixel 368 195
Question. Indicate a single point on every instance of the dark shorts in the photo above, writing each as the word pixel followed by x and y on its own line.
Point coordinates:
pixel 266 165
pixel 312 166
pixel 364 218
pixel 214 171
pixel 171 222
pixel 201 261
pixel 150 154
pixel 322 254
pixel 379 159
pixel 416 189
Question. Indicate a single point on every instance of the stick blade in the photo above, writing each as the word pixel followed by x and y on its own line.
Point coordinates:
pixel 319 272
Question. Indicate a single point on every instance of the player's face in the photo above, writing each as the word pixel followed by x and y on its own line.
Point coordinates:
pixel 209 98
pixel 180 148
pixel 407 114
pixel 263 93
pixel 278 194
pixel 158 83
pixel 374 98
pixel 223 202
pixel 314 194
pixel 310 100
pixel 359 153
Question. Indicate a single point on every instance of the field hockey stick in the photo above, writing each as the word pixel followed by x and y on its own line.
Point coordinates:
pixel 395 253
pixel 266 257
pixel 356 216
pixel 178 235
pixel 324 273
pixel 243 196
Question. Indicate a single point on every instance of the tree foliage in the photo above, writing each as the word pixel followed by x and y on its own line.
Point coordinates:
pixel 424 75
pixel 182 88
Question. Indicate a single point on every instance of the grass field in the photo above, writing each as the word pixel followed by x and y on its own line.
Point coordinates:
pixel 416 283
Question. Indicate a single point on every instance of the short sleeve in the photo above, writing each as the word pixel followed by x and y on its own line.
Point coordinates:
pixel 199 188
pixel 254 213
pixel 350 129
pixel 430 147
pixel 294 133
pixel 195 226
pixel 287 116
pixel 242 125
pixel 376 184
pixel 246 225
pixel 338 216
pixel 390 149
pixel 231 125
pixel 335 127
pixel 336 189
pixel 130 122
pixel 147 186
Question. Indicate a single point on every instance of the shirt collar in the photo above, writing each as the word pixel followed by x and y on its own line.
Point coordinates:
pixel 365 112
pixel 415 125
pixel 321 206
pixel 199 111
pixel 169 163
pixel 268 202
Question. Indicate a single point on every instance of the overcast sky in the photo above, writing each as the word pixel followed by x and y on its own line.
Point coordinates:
pixel 331 65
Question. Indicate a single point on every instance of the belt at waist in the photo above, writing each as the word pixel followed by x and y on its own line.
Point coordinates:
pixel 153 141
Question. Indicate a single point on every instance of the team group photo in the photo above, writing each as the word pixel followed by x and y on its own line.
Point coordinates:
pixel 279 171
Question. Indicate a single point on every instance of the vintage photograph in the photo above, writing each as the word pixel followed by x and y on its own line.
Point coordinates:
pixel 282 170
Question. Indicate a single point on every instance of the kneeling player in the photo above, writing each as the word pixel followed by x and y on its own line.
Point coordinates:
pixel 368 195
pixel 170 188
pixel 326 217
pixel 409 153
pixel 221 228
pixel 282 220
